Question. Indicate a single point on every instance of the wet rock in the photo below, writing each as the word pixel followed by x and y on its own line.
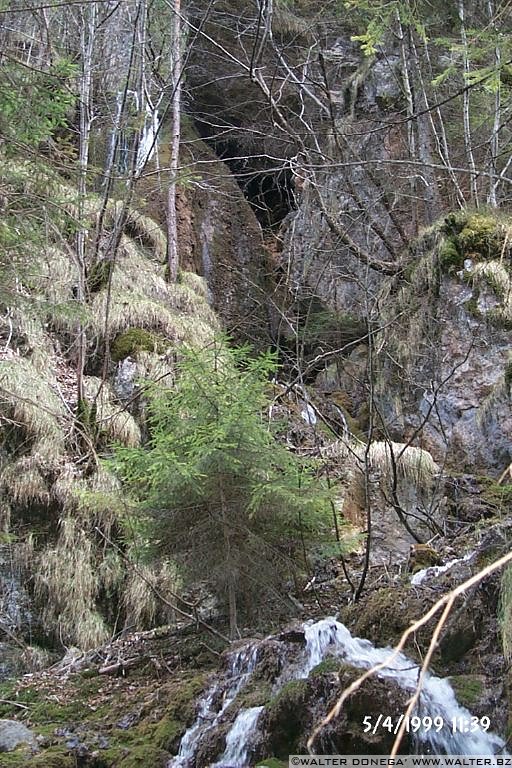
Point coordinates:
pixel 12 734
pixel 301 704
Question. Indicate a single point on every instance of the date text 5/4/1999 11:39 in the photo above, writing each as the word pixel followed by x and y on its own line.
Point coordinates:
pixel 422 725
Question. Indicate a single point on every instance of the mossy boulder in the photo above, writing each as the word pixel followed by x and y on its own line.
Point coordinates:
pixel 475 235
pixel 286 716
pixel 134 340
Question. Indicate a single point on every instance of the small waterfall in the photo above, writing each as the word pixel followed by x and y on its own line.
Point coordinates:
pixel 239 738
pixel 149 137
pixel 213 705
pixel 329 638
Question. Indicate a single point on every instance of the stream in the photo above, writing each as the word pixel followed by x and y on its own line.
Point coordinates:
pixel 323 639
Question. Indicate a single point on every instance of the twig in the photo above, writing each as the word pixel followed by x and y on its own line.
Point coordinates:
pixel 448 600
pixel 14 704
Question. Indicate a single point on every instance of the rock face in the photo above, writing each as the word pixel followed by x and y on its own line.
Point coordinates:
pixel 12 734
pixel 219 236
pixel 445 371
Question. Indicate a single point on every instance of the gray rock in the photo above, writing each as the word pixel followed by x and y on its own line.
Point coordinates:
pixel 12 734
pixel 124 382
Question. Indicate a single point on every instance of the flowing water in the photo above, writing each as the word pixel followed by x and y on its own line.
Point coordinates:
pixel 329 638
pixel 215 702
pixel 435 570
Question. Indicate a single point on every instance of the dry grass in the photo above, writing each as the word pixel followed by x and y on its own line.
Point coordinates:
pixel 147 232
pixel 67 582
pixel 196 283
pixel 57 274
pixel 23 482
pixel 28 400
pixel 285 22
pixel 142 298
pixel 414 465
pixel 115 423
pixel 74 569
pixel 141 603
pixel 497 277
pixel 100 501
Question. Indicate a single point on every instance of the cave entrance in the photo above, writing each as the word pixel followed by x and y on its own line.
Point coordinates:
pixel 270 195
pixel 268 190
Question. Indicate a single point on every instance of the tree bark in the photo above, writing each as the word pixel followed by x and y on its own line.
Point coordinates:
pixel 172 221
pixel 87 34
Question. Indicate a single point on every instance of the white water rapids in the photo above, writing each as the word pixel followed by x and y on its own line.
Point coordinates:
pixel 329 638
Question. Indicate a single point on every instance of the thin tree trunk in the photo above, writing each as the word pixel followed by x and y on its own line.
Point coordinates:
pixel 411 137
pixel 439 132
pixel 468 145
pixel 494 145
pixel 172 221
pixel 87 32
pixel 425 133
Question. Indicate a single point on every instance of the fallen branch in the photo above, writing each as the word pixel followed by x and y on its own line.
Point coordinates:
pixel 13 703
pixel 118 666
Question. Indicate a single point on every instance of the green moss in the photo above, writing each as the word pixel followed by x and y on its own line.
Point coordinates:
pixel 54 757
pixel 167 733
pixel 481 236
pixel 326 666
pixel 291 696
pixel 451 258
pixel 87 417
pixel 17 759
pixel 135 340
pixel 255 694
pixel 144 756
pixel 496 494
pixel 470 235
pixel 183 704
pixel 469 689
pixel 9 692
pixel 272 762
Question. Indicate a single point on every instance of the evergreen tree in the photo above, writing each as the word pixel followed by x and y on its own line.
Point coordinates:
pixel 227 501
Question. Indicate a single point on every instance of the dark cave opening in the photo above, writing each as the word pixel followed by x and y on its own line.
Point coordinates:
pixel 269 190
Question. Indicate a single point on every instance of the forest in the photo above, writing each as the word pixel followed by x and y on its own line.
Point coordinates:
pixel 255 381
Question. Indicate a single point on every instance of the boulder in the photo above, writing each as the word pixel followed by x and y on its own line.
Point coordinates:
pixel 12 734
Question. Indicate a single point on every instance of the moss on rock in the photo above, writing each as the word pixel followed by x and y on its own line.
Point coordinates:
pixel 470 235
pixel 134 340
pixel 468 688
pixel 144 756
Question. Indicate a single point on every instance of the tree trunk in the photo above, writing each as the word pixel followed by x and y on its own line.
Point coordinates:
pixel 172 222
pixel 494 144
pixel 468 145
pixel 87 33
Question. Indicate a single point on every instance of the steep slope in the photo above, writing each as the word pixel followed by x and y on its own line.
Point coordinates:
pixel 59 504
